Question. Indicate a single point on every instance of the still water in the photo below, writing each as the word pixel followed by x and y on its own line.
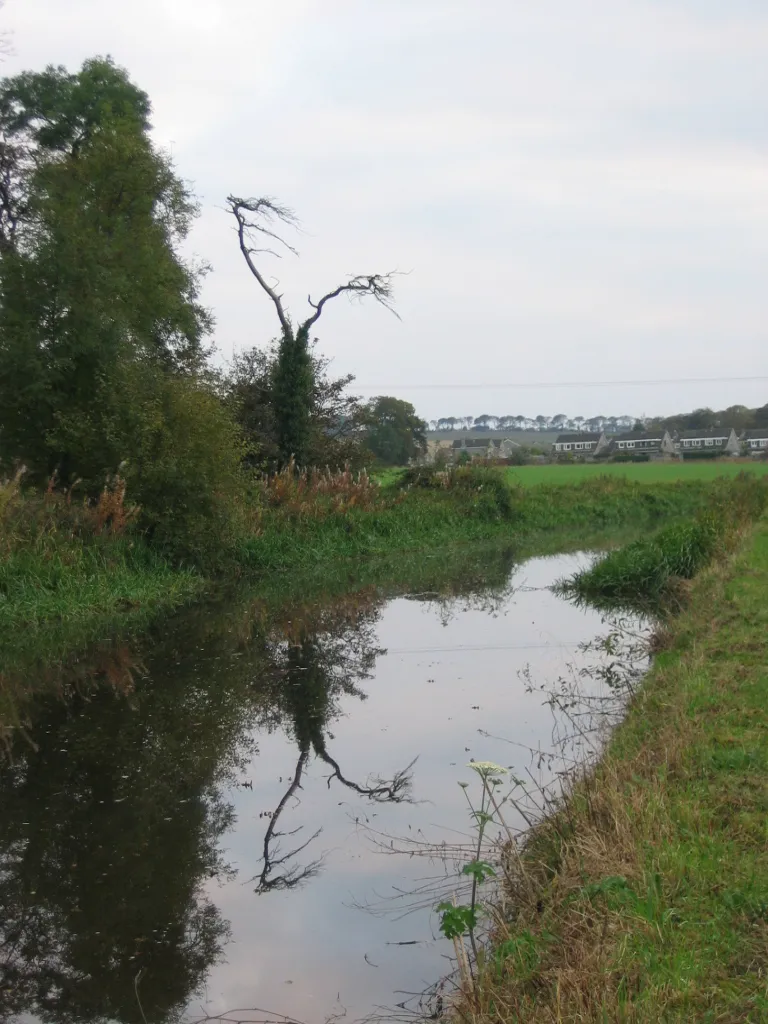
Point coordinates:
pixel 205 819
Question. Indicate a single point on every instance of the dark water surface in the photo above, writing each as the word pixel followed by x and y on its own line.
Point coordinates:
pixel 202 816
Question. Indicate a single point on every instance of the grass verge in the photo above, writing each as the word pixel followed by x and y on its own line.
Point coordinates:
pixel 645 897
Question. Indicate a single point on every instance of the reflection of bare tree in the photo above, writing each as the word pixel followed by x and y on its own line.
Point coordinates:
pixel 273 858
pixel 394 790
pixel 312 673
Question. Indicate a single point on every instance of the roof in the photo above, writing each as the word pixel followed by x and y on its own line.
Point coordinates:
pixel 641 435
pixel 482 442
pixel 712 432
pixel 472 442
pixel 571 438
pixel 755 435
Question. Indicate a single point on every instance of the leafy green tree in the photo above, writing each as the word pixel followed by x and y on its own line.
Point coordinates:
pixel 395 433
pixel 293 380
pixel 335 438
pixel 91 217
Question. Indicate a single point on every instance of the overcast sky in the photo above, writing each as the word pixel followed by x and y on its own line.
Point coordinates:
pixel 578 189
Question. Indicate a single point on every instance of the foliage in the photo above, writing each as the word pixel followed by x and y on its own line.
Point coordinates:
pixel 459 919
pixel 318 493
pixel 293 386
pixel 101 357
pixel 187 468
pixel 335 438
pixel 491 496
pixel 394 433
pixel 78 562
pixel 91 282
pixel 693 455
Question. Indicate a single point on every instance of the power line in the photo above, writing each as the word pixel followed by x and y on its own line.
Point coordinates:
pixel 483 647
pixel 558 384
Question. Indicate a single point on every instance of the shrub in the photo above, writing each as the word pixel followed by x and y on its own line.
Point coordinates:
pixel 316 493
pixel 643 571
pixel 491 497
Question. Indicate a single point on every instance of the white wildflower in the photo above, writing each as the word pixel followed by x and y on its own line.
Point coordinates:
pixel 487 768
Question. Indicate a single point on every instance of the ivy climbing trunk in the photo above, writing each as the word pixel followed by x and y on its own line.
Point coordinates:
pixel 293 396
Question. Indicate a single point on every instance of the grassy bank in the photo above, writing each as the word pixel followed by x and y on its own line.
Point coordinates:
pixel 430 511
pixel 647 571
pixel 72 571
pixel 645 898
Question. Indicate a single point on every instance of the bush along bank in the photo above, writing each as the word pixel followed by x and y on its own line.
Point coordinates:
pixel 643 896
pixel 646 571
pixel 77 565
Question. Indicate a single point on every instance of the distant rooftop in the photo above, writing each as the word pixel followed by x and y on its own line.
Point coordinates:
pixel 640 435
pixel 712 432
pixel 577 438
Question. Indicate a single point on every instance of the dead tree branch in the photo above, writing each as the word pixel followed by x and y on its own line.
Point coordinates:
pixel 254 217
pixel 378 286
pixel 259 217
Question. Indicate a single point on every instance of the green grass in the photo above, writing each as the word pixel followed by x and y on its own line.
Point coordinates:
pixel 646 896
pixel 647 571
pixel 642 472
pixel 479 509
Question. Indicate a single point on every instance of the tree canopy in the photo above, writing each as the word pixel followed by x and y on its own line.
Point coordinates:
pixel 92 284
pixel 395 434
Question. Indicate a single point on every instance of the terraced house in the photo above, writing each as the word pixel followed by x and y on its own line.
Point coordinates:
pixel 483 447
pixel 756 441
pixel 580 444
pixel 722 440
pixel 642 442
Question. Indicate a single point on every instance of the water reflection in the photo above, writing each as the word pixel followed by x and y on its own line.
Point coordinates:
pixel 313 666
pixel 134 778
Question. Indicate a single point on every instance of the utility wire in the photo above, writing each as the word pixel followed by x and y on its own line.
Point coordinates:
pixel 557 384
pixel 482 647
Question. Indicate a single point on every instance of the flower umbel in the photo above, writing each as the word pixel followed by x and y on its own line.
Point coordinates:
pixel 487 768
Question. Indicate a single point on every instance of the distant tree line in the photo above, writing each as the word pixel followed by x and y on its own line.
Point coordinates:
pixel 738 416
pixel 541 423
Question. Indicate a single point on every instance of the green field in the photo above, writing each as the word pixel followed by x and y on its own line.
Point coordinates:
pixel 644 472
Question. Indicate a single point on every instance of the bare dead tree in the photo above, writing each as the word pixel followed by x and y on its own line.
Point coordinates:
pixel 256 220
pixel 258 223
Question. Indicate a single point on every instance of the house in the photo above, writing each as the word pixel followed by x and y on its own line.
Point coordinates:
pixel 579 444
pixel 722 440
pixel 756 441
pixel 483 447
pixel 636 442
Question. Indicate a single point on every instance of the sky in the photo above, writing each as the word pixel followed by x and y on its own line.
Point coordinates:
pixel 573 192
